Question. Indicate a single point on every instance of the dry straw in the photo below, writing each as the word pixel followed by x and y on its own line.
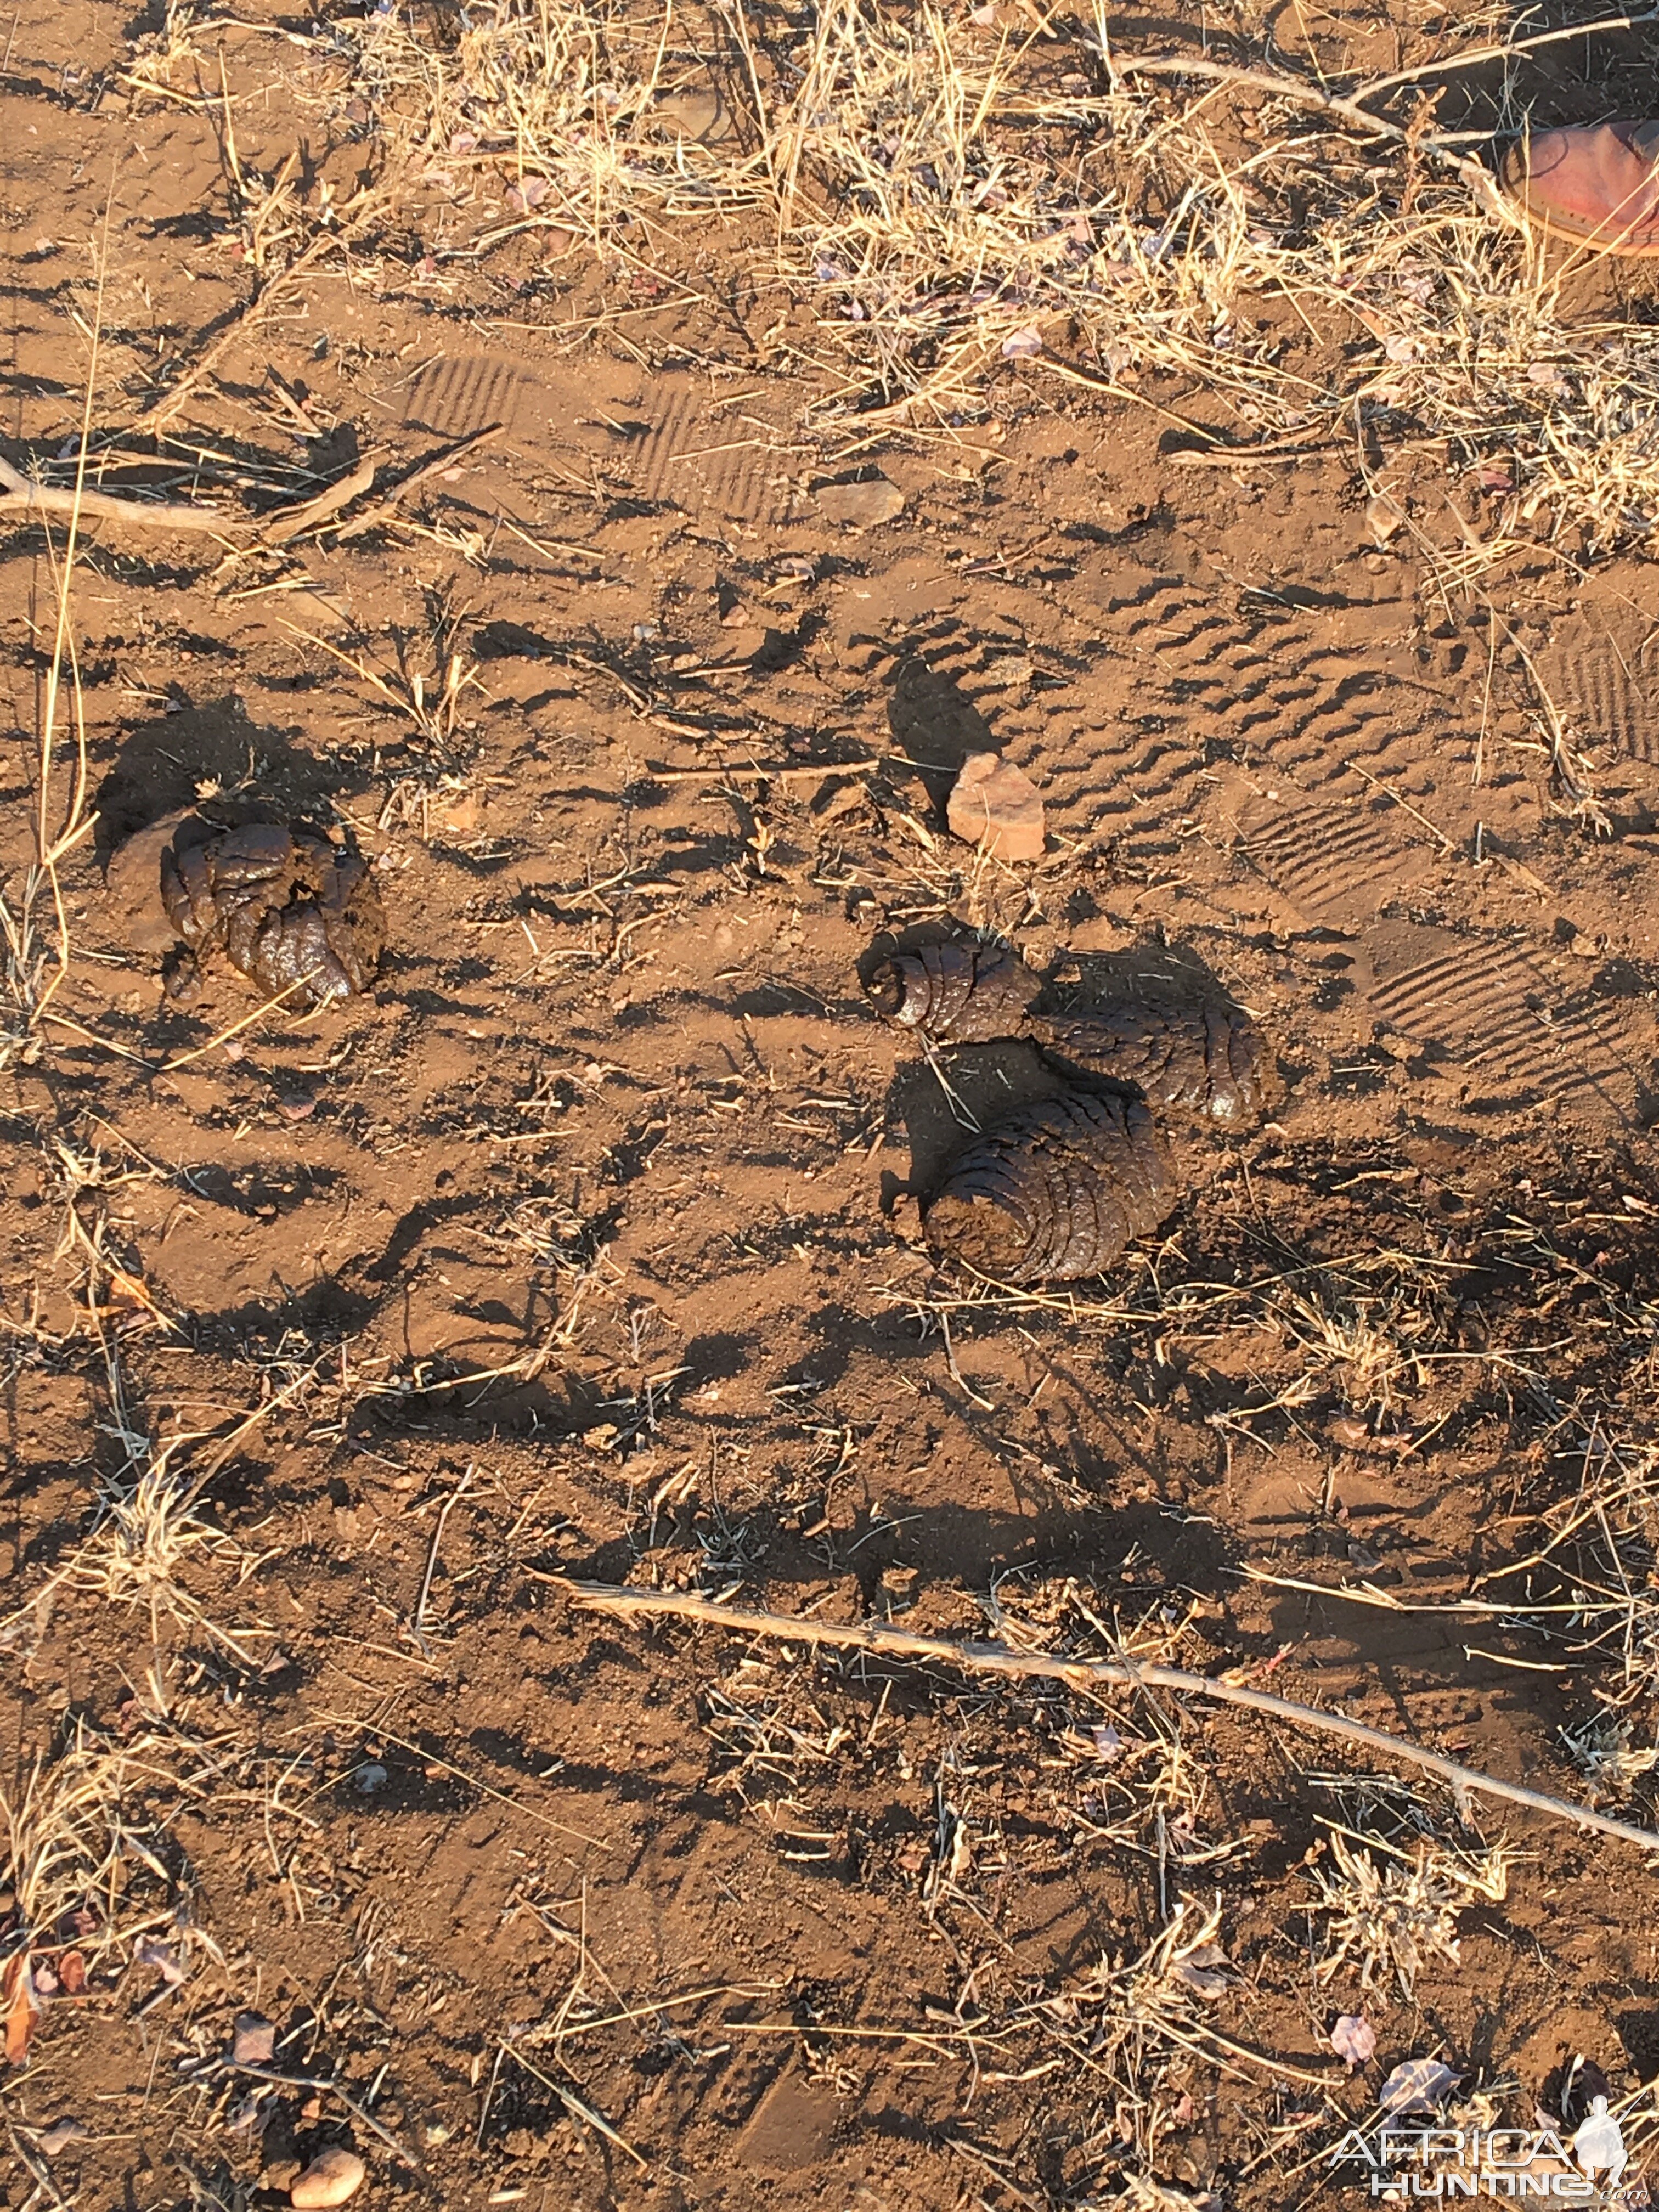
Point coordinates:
pixel 953 191
pixel 1391 1914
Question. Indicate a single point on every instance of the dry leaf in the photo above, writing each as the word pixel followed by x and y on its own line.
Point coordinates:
pixel 166 1962
pixel 253 2040
pixel 1420 2085
pixel 1205 1971
pixel 17 1995
pixel 60 2135
pixel 1354 2040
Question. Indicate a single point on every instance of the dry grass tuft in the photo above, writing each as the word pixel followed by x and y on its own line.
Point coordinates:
pixel 1601 1750
pixel 84 1865
pixel 1393 1916
pixel 952 193
pixel 589 116
pixel 937 203
pixel 1138 2024
pixel 1349 1340
pixel 1592 1576
pixel 66 1843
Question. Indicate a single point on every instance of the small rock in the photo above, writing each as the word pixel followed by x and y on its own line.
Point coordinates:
pixel 1382 519
pixel 997 805
pixel 60 2135
pixel 333 2176
pixel 370 1776
pixel 703 116
pixel 865 504
pixel 253 2040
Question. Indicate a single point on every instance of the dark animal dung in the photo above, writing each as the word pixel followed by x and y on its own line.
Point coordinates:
pixel 284 908
pixel 1055 1193
pixel 956 994
pixel 1205 1059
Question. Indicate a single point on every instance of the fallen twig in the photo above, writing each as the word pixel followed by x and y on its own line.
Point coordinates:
pixel 163 408
pixel 1451 1608
pixel 1228 457
pixel 754 771
pixel 418 1619
pixel 1301 90
pixel 289 522
pixel 1474 56
pixel 384 509
pixel 18 490
pixel 324 2086
pixel 1122 1673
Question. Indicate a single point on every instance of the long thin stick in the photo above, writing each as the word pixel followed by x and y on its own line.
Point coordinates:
pixel 1121 1673
pixel 734 770
pixel 1476 55
pixel 384 509
pixel 19 490
pixel 418 1619
pixel 1288 88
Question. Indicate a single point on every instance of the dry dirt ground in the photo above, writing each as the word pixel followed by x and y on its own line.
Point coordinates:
pixel 334 1347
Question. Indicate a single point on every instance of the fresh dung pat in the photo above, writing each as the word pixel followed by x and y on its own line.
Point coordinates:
pixel 1204 1058
pixel 1055 1193
pixel 286 910
pixel 953 993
